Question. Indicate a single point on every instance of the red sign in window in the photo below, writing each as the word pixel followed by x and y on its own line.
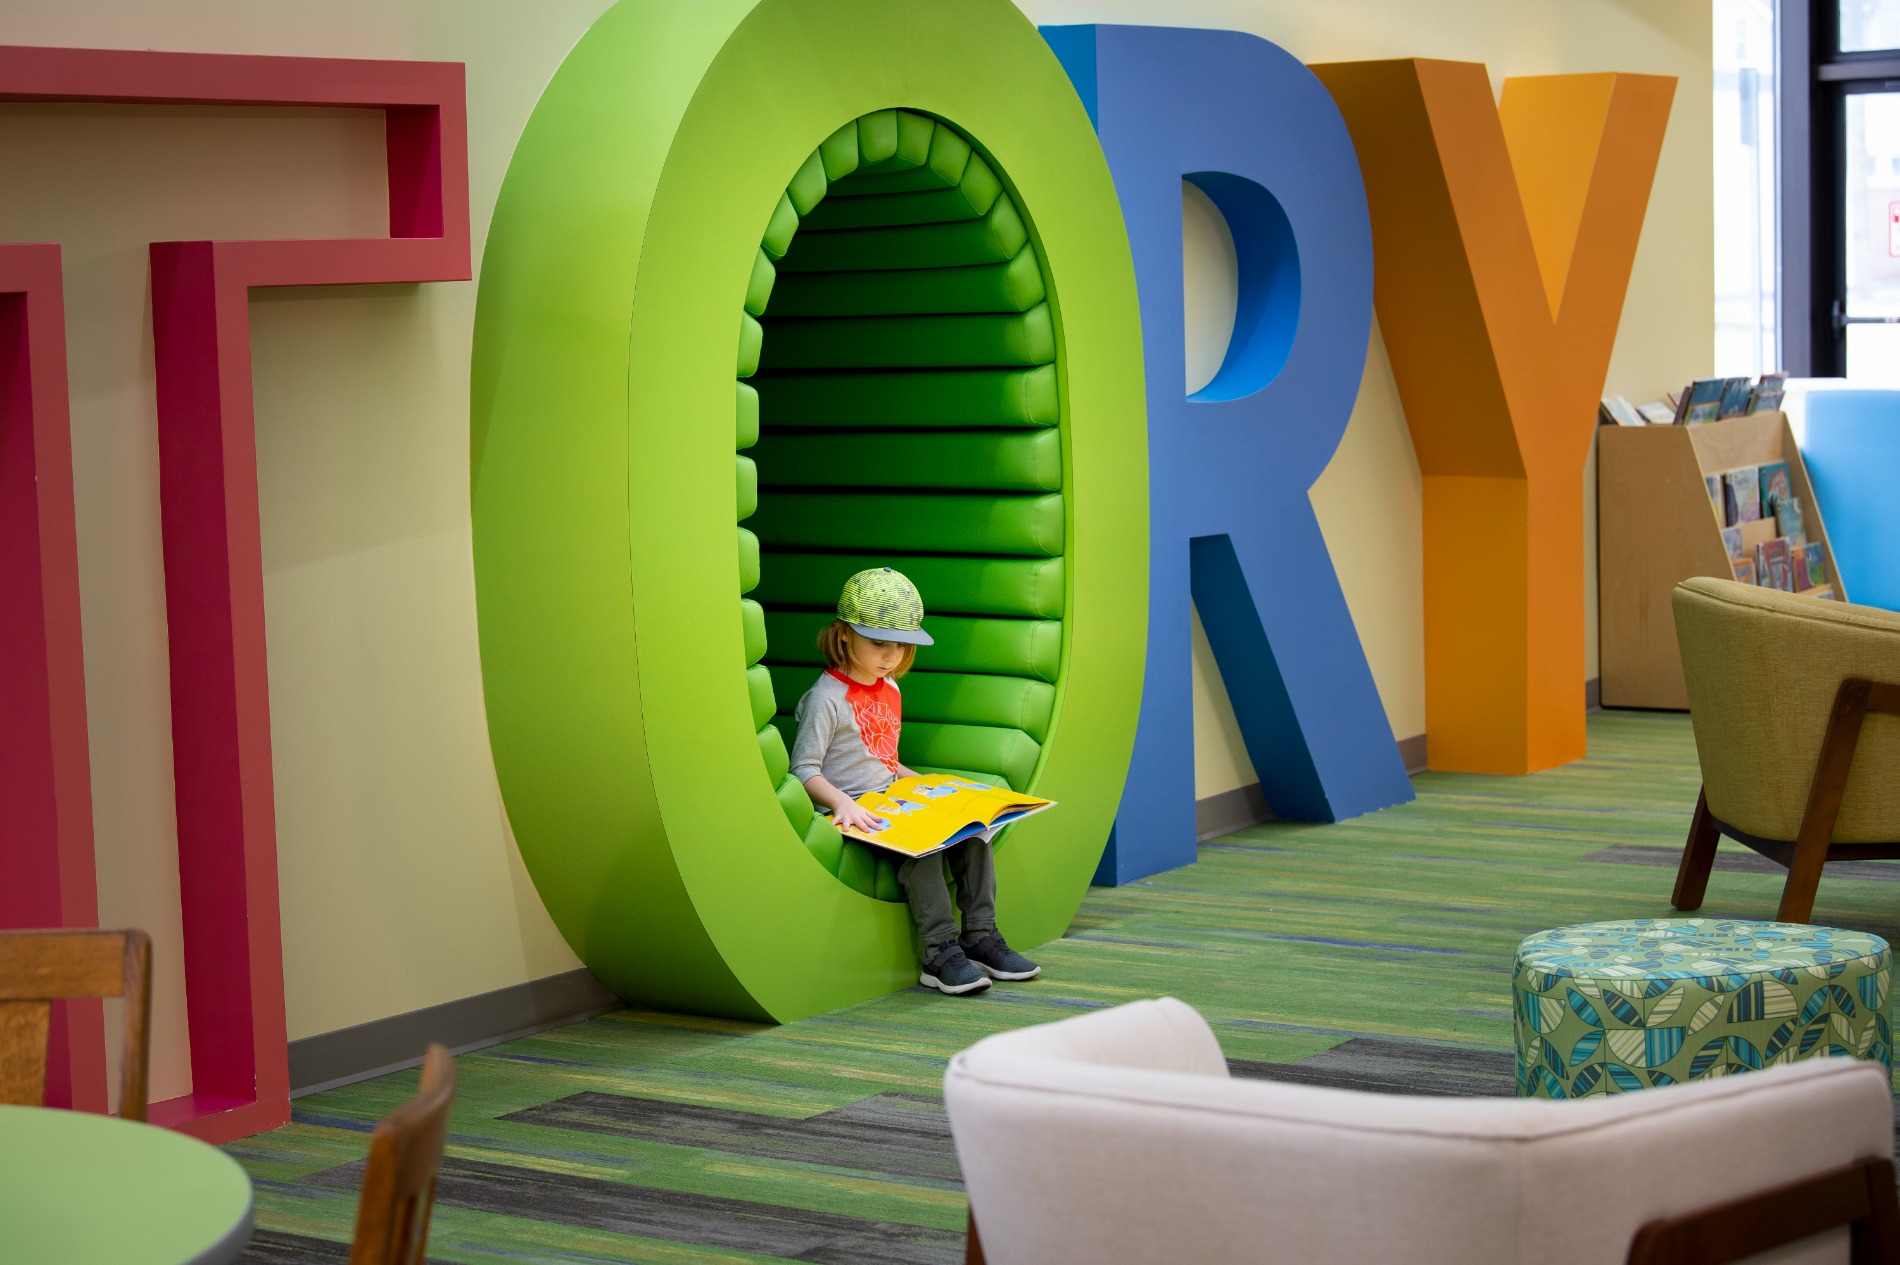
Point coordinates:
pixel 1893 229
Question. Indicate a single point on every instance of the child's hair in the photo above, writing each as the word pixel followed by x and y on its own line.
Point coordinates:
pixel 834 642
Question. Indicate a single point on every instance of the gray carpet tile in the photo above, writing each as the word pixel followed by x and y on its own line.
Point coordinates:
pixel 897 1135
pixel 823 1238
pixel 1380 1065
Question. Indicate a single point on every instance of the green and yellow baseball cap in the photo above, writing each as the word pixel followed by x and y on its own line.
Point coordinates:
pixel 884 605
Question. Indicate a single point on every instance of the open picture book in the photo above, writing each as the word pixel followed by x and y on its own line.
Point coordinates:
pixel 930 813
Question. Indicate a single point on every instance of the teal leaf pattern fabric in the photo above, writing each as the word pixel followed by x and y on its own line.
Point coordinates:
pixel 1610 1007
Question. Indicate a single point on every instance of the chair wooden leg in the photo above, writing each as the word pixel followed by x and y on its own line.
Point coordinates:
pixel 972 1246
pixel 1698 857
pixel 1876 1240
pixel 1824 799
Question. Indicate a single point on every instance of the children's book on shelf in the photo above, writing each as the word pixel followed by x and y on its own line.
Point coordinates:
pixel 1701 401
pixel 1617 410
pixel 1768 392
pixel 1813 565
pixel 1732 541
pixel 1744 571
pixel 1656 413
pixel 1772 565
pixel 1735 394
pixel 1775 487
pixel 1714 483
pixel 1798 569
pixel 936 811
pixel 1788 519
pixel 1742 496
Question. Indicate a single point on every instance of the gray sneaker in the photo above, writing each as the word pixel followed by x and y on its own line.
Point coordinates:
pixel 948 971
pixel 996 959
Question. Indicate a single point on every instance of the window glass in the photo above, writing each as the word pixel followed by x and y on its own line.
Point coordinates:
pixel 1868 24
pixel 1745 252
pixel 1873 238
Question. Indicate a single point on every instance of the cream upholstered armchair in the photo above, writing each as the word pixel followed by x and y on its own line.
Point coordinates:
pixel 1796 708
pixel 1118 1137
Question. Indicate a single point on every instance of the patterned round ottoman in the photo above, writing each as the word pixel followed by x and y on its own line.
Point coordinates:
pixel 1606 1007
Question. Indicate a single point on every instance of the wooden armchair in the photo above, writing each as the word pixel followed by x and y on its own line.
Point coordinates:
pixel 1796 708
pixel 392 1215
pixel 40 967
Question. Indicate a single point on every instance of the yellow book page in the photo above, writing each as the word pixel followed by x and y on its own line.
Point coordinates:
pixel 924 812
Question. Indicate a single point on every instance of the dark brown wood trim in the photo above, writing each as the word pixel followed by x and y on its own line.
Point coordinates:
pixel 1860 1195
pixel 1698 856
pixel 973 1246
pixel 1814 847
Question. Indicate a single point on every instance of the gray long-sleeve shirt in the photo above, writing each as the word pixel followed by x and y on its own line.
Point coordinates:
pixel 829 743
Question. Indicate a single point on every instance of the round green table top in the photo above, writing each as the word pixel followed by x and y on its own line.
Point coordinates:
pixel 83 1189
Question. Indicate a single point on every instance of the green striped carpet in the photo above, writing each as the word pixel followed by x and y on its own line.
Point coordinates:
pixel 1374 953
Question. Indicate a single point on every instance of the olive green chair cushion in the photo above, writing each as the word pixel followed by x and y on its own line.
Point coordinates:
pixel 1762 667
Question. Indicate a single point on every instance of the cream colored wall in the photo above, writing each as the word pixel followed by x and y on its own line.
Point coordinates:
pixel 1368 500
pixel 400 886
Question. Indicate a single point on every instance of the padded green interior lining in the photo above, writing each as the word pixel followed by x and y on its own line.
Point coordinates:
pixel 903 410
pixel 976 397
pixel 913 522
pixel 1015 286
pixel 1031 588
pixel 1016 461
pixel 925 342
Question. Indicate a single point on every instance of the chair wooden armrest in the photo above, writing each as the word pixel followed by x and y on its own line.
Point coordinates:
pixel 1810 851
pixel 1860 1196
pixel 40 967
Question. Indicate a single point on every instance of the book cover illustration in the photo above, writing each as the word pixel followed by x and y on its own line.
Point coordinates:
pixel 1744 571
pixel 1735 393
pixel 939 810
pixel 1814 565
pixel 1742 495
pixel 1775 487
pixel 1790 523
pixel 1772 565
pixel 1714 484
pixel 1732 541
pixel 1702 401
pixel 1618 409
pixel 1656 413
pixel 1768 392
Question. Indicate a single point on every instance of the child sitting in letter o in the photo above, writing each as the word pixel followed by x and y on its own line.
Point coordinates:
pixel 848 726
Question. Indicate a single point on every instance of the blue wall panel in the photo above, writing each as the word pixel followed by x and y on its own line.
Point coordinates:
pixel 1852 451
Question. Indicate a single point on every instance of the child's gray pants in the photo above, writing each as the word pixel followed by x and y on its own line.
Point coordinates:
pixel 973 865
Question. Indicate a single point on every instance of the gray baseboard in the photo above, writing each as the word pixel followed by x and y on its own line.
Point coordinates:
pixel 1412 751
pixel 1593 695
pixel 472 1023
pixel 1229 811
pixel 1245 806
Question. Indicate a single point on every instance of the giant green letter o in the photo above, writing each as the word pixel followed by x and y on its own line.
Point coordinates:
pixel 618 287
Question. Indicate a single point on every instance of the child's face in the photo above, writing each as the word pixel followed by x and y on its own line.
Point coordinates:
pixel 875 659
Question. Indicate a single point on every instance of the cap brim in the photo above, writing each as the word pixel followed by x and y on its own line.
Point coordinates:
pixel 910 637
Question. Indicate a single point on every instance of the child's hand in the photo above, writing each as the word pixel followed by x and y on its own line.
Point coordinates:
pixel 857 817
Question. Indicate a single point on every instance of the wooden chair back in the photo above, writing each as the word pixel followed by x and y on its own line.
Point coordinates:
pixel 40 967
pixel 392 1216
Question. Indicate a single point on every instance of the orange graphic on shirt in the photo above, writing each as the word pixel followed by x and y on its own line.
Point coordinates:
pixel 879 711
